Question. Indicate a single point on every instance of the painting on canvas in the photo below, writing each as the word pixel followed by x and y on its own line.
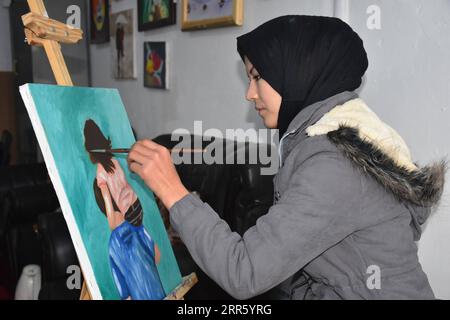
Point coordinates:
pixel 122 32
pixel 201 14
pixel 154 14
pixel 99 26
pixel 114 222
pixel 155 65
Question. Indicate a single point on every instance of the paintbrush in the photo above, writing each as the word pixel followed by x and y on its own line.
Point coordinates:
pixel 125 150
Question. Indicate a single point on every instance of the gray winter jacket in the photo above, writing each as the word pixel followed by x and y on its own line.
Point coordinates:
pixel 343 225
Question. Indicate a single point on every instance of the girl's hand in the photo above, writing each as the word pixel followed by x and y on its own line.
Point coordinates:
pixel 153 163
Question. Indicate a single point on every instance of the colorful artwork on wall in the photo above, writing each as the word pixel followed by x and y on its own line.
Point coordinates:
pixel 99 21
pixel 122 30
pixel 202 14
pixel 155 65
pixel 156 13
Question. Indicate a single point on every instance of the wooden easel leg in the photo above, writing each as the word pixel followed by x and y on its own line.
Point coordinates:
pixel 37 6
pixel 56 59
pixel 85 295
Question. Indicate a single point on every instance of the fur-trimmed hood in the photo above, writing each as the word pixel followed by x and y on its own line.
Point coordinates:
pixel 379 151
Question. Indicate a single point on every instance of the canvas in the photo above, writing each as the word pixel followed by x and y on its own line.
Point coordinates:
pixel 122 31
pixel 99 26
pixel 114 222
pixel 155 65
pixel 155 13
pixel 201 14
pixel 209 9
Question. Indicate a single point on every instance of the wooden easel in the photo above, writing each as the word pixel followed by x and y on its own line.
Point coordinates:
pixel 42 31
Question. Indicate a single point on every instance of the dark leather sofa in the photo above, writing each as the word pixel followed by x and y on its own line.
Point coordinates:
pixel 27 199
pixel 33 230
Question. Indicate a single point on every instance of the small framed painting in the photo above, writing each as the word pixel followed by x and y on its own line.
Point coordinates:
pixel 122 35
pixel 156 13
pixel 203 14
pixel 99 16
pixel 155 65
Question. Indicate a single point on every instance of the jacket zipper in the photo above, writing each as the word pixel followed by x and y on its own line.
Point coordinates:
pixel 280 157
pixel 277 194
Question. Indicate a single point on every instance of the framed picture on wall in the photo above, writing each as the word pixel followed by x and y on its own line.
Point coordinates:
pixel 156 13
pixel 122 29
pixel 99 21
pixel 203 14
pixel 155 65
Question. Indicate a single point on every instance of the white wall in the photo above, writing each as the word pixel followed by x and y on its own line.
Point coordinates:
pixel 407 84
pixel 5 39
pixel 207 76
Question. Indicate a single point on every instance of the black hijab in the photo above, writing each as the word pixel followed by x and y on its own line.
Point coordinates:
pixel 306 59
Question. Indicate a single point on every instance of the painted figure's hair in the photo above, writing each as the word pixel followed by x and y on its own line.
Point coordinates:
pixel 94 139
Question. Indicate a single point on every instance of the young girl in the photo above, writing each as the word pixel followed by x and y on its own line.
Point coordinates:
pixel 349 200
pixel 133 254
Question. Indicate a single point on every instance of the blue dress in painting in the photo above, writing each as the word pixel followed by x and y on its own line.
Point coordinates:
pixel 132 258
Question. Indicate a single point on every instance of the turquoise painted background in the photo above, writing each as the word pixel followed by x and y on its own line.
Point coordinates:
pixel 63 112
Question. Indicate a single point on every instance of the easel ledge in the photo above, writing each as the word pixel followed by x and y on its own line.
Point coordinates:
pixel 40 30
pixel 186 285
pixel 177 294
